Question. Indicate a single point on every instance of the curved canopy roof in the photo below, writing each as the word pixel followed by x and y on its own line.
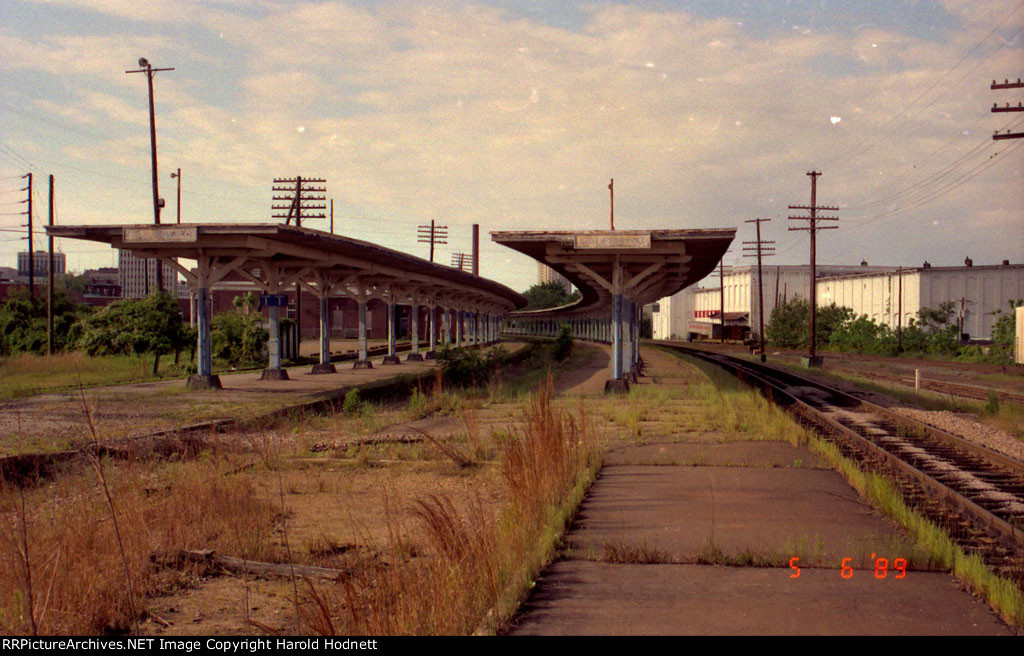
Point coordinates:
pixel 642 265
pixel 321 260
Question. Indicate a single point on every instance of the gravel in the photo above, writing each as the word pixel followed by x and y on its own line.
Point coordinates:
pixel 969 428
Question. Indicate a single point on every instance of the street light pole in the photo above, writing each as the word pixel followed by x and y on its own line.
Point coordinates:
pixel 147 68
pixel 178 176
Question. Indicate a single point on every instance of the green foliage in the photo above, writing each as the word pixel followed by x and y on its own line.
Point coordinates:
pixel 238 339
pixel 23 322
pixel 246 303
pixel 562 348
pixel 863 335
pixel 789 326
pixel 548 295
pixel 1004 331
pixel 467 367
pixel 351 405
pixel 149 325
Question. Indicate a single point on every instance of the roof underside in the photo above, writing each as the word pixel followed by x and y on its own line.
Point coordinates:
pixel 310 255
pixel 652 263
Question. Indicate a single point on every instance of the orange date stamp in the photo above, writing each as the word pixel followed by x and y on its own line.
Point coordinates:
pixel 882 568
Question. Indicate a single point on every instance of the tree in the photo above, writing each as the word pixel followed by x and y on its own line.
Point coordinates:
pixel 149 325
pixel 247 302
pixel 239 339
pixel 789 326
pixel 23 322
pixel 1004 330
pixel 548 295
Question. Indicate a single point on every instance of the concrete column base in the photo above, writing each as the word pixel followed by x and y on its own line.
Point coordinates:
pixel 414 357
pixel 616 386
pixel 429 355
pixel 362 364
pixel 198 382
pixel 324 369
pixel 392 359
pixel 274 374
pixel 809 362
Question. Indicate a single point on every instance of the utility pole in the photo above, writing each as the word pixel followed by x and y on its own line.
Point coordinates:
pixel 147 68
pixel 611 192
pixel 476 249
pixel 432 235
pixel 299 202
pixel 721 297
pixel 460 261
pixel 332 216
pixel 899 318
pixel 50 346
pixel 765 249
pixel 296 205
pixel 813 227
pixel 31 243
pixel 1007 108
pixel 960 317
pixel 178 176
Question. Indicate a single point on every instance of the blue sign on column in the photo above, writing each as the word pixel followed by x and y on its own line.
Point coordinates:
pixel 274 300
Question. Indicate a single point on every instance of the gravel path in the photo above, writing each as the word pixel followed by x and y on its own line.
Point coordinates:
pixel 969 428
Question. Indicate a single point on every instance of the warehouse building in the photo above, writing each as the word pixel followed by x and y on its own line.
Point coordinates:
pixel 977 293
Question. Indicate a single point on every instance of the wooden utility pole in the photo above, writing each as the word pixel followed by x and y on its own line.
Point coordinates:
pixel 899 318
pixel 299 206
pixel 147 68
pixel 764 249
pixel 611 194
pixel 813 227
pixel 31 243
pixel 1006 84
pixel 432 234
pixel 50 346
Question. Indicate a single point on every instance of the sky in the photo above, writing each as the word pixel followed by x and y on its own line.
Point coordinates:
pixel 515 114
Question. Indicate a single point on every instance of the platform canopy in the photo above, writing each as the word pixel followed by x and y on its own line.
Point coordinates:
pixel 640 265
pixel 274 256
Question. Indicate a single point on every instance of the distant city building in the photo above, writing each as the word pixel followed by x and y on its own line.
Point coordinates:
pixel 40 263
pixel 133 272
pixel 976 292
pixel 546 274
pixel 102 283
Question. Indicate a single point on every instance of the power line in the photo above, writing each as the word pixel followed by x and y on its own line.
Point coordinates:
pixel 866 145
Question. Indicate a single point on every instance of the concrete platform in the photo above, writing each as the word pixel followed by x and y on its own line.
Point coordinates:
pixel 589 598
pixel 677 510
pixel 734 453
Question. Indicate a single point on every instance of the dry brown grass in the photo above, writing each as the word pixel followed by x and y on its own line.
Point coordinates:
pixel 61 569
pixel 478 562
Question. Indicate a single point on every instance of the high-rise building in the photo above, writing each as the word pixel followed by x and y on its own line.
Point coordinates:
pixel 546 274
pixel 40 263
pixel 132 273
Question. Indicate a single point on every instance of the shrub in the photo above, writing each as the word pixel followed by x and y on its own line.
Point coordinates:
pixel 563 345
pixel 238 339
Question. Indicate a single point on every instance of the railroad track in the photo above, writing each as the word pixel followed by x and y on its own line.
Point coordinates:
pixel 975 493
pixel 979 392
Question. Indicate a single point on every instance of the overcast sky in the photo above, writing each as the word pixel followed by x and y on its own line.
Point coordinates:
pixel 515 114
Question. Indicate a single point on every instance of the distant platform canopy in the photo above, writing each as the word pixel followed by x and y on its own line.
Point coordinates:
pixel 275 255
pixel 640 265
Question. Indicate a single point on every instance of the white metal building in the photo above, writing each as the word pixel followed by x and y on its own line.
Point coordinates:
pixel 976 291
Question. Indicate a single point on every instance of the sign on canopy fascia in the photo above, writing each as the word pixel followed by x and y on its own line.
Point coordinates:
pixel 613 242
pixel 160 234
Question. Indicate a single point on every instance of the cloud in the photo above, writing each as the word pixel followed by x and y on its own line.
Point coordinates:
pixel 466 113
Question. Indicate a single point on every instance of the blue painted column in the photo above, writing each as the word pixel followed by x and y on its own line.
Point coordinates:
pixel 458 328
pixel 324 366
pixel 205 345
pixel 363 362
pixel 616 337
pixel 391 357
